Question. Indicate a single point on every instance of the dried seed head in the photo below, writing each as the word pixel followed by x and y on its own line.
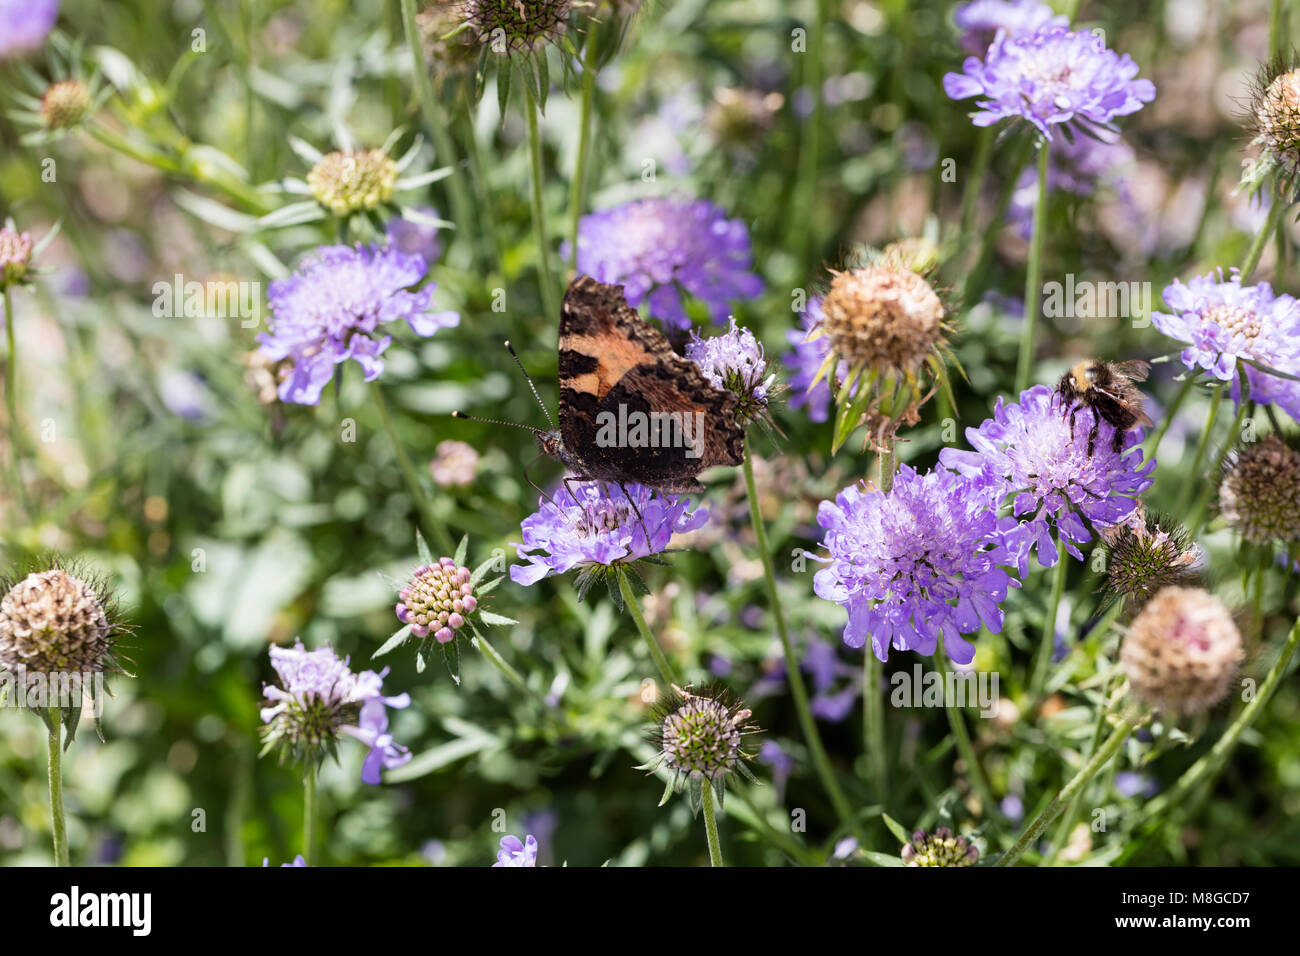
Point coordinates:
pixel 52 622
pixel 700 739
pixel 1182 651
pixel 345 183
pixel 15 256
pixel 509 25
pixel 940 848
pixel 1277 116
pixel 888 320
pixel 65 104
pixel 437 600
pixel 1260 493
pixel 445 53
pixel 1143 557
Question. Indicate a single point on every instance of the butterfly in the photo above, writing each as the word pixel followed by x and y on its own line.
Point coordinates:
pixel 631 409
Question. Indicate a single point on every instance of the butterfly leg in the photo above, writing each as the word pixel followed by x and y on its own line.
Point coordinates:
pixel 623 488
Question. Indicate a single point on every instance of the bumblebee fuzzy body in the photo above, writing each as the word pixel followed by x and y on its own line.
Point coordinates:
pixel 1107 388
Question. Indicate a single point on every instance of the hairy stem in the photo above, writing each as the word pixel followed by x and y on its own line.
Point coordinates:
pixel 634 608
pixel 711 827
pixel 1033 277
pixel 58 820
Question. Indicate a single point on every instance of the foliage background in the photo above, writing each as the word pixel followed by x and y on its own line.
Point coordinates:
pixel 165 462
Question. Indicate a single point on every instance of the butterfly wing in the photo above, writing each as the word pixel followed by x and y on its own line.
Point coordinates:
pixel 617 374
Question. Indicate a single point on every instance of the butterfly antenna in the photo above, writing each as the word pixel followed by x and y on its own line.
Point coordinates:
pixel 528 378
pixel 493 421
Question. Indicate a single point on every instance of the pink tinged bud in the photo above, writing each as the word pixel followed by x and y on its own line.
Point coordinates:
pixel 456 621
pixel 470 604
pixel 444 635
pixel 401 613
pixel 419 630
pixel 463 576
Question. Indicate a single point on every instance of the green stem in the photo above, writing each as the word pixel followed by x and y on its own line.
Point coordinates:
pixel 1048 643
pixel 711 827
pixel 309 814
pixel 964 746
pixel 971 283
pixel 634 607
pixel 1256 249
pixel 11 397
pixel 1033 277
pixel 1193 473
pixel 1089 770
pixel 504 666
pixel 432 525
pixel 1072 813
pixel 1202 509
pixel 810 151
pixel 975 182
pixel 1170 412
pixel 578 188
pixel 545 277
pixel 434 118
pixel 1203 772
pixel 793 674
pixel 58 820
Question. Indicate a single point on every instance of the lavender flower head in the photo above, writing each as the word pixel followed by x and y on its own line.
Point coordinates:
pixel 982 20
pixel 1027 449
pixel 659 248
pixel 599 529
pixel 319 699
pixel 734 362
pixel 1050 78
pixel 330 309
pixel 514 853
pixel 917 564
pixel 806 360
pixel 1224 322
pixel 25 23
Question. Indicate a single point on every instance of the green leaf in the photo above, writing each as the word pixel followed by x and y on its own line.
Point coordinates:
pixel 881 859
pixel 441 756
pixel 399 638
pixel 487 617
pixel 503 84
pixel 73 717
pixel 896 829
pixel 422 549
pixel 461 549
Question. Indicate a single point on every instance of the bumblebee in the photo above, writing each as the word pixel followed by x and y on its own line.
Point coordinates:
pixel 1107 388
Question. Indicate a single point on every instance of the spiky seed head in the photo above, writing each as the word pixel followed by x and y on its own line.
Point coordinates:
pixel 1277 116
pixel 65 104
pixel 15 256
pixel 53 622
pixel 348 182
pixel 888 320
pixel 509 25
pixel 1260 493
pixel 940 848
pixel 437 600
pixel 1147 553
pixel 1182 651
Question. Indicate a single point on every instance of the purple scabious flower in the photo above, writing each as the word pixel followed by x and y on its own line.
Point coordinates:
pixel 297 861
pixel 1225 322
pixel 920 563
pixel 329 310
pixel 320 699
pixel 599 529
pixel 659 248
pixel 25 23
pixel 806 360
pixel 1027 450
pixel 415 238
pixel 1049 78
pixel 1077 167
pixel 734 362
pixel 982 20
pixel 514 853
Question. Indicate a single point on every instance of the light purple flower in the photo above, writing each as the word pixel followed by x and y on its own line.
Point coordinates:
pixel 1027 450
pixel 1078 168
pixel 297 861
pixel 836 685
pixel 805 361
pixel 24 24
pixel 734 362
pixel 514 853
pixel 1226 322
pixel 600 528
pixel 659 248
pixel 317 701
pixel 981 20
pixel 771 754
pixel 330 309
pixel 918 564
pixel 1049 78
pixel 415 238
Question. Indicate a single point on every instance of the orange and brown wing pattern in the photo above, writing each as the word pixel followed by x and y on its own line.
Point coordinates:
pixel 615 367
